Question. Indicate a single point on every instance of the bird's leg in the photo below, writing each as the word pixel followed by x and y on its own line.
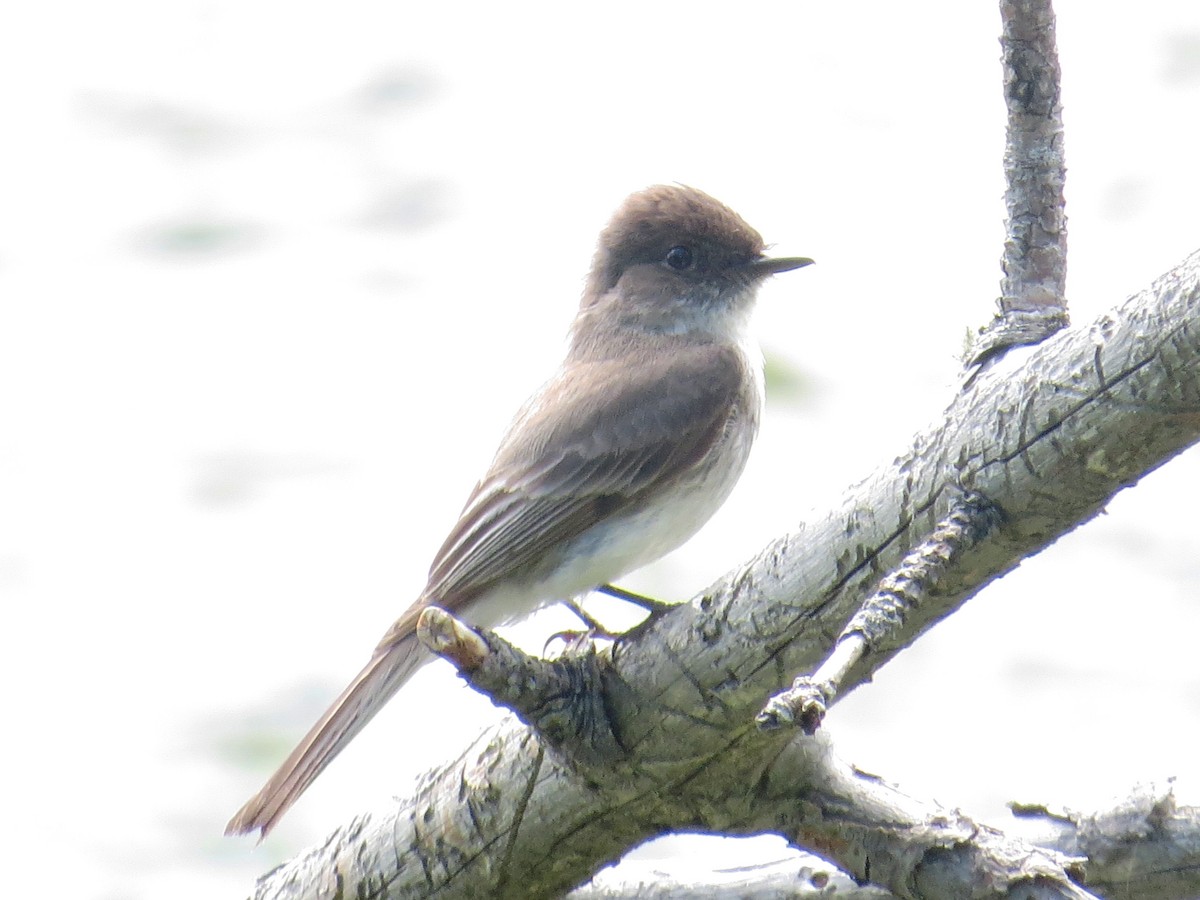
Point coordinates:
pixel 594 627
pixel 652 606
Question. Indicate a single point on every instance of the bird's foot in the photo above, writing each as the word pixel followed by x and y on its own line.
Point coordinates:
pixel 577 640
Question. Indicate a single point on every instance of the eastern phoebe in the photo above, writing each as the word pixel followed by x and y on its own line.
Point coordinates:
pixel 621 457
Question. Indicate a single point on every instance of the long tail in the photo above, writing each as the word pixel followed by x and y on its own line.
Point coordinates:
pixel 389 668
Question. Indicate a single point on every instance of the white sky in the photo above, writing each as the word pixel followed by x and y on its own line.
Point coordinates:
pixel 274 276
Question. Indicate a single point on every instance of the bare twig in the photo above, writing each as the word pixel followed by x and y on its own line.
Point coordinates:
pixel 971 519
pixel 1032 303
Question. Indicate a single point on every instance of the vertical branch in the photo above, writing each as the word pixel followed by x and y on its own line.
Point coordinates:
pixel 1032 304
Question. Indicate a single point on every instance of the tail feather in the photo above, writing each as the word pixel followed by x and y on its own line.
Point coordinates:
pixel 388 670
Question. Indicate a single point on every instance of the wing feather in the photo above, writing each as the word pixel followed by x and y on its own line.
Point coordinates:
pixel 611 439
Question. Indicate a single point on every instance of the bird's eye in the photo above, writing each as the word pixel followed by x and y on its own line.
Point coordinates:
pixel 678 258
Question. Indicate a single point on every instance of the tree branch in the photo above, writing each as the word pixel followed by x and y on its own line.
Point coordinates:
pixel 1145 847
pixel 1032 304
pixel 1049 438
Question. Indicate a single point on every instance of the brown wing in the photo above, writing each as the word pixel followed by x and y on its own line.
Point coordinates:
pixel 556 474
pixel 590 444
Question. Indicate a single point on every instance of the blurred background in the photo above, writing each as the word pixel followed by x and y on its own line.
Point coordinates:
pixel 274 277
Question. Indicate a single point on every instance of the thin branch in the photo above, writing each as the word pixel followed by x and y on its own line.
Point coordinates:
pixel 1032 303
pixel 971 519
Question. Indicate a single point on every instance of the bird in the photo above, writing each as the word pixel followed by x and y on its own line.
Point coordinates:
pixel 623 455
